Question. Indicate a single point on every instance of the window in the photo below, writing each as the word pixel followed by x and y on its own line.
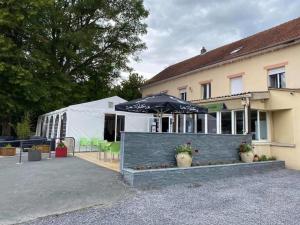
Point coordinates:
pixel 226 122
pixel 63 125
pixel 182 94
pixel 239 122
pixel 277 78
pixel 206 90
pixel 189 126
pixel 236 85
pixel 200 123
pixel 56 126
pixel 259 124
pixel 212 123
pixel 180 123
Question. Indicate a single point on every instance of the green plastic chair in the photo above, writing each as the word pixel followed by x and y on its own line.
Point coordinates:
pixel 103 147
pixel 114 148
pixel 84 142
pixel 95 142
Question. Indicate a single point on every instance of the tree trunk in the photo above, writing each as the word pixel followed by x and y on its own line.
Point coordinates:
pixel 6 126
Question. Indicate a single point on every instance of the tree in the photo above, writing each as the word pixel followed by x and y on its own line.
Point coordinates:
pixel 129 88
pixel 59 52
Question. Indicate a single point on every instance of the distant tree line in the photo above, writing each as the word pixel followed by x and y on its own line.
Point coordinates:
pixel 54 53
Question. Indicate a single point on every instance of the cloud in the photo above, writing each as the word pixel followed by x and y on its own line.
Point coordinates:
pixel 177 29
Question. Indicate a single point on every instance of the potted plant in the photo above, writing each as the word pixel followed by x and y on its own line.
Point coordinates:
pixel 246 153
pixel 43 148
pixel 61 150
pixel 34 154
pixel 184 155
pixel 8 150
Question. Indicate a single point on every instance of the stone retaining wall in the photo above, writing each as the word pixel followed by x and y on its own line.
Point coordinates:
pixel 170 176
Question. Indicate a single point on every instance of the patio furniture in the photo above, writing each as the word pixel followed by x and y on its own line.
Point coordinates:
pixel 160 104
pixel 95 142
pixel 84 142
pixel 103 147
pixel 114 148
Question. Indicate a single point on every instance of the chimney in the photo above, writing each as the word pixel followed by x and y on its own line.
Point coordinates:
pixel 203 50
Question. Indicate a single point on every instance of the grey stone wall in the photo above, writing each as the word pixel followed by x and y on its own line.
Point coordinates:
pixel 154 149
pixel 170 176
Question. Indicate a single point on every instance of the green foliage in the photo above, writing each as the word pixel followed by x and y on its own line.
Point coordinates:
pixel 23 128
pixel 8 146
pixel 59 52
pixel 245 148
pixel 129 88
pixel 265 158
pixel 61 145
pixel 187 148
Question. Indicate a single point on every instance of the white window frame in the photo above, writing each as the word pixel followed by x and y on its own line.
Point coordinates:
pixel 184 92
pixel 207 87
pixel 278 72
pixel 259 140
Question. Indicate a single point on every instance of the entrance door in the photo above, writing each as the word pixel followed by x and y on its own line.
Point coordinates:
pixel 165 124
pixel 109 127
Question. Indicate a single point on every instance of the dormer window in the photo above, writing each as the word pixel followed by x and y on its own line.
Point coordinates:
pixel 277 78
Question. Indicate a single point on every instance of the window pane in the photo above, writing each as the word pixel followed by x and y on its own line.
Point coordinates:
pixel 212 123
pixel 189 126
pixel 204 91
pixel 263 125
pixel 282 80
pixel 200 123
pixel 180 123
pixel 254 125
pixel 239 122
pixel 226 122
pixel 273 81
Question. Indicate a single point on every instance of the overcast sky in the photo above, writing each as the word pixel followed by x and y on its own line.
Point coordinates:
pixel 177 29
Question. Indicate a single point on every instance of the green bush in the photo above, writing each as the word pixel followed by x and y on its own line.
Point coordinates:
pixel 187 148
pixel 8 146
pixel 23 128
pixel 245 148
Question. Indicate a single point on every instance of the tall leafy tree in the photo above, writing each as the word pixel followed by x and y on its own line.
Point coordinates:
pixel 59 52
pixel 129 88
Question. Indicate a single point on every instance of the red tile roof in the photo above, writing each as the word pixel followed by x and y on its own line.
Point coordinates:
pixel 282 34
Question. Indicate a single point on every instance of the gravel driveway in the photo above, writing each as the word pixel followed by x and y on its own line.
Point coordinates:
pixel 270 198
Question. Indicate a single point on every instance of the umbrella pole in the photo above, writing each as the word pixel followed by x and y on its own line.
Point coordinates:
pixel 160 123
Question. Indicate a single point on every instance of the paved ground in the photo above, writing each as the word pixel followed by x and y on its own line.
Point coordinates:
pixel 271 198
pixel 35 189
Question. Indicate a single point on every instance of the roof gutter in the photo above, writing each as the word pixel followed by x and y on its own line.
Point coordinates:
pixel 265 50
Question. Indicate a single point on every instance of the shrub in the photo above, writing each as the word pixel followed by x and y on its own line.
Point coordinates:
pixel 8 146
pixel 187 148
pixel 23 128
pixel 245 148
pixel 61 145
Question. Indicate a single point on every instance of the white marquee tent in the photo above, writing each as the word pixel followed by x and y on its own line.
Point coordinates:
pixel 92 119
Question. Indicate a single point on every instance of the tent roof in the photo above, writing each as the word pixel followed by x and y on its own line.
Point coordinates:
pixel 98 105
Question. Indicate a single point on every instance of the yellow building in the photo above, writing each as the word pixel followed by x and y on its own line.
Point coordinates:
pixel 249 86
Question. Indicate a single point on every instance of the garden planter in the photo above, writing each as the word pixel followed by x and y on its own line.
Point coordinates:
pixel 34 155
pixel 183 159
pixel 7 151
pixel 247 157
pixel 61 152
pixel 43 148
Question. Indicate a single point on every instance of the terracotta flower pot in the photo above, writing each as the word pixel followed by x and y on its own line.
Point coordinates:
pixel 183 159
pixel 7 151
pixel 247 157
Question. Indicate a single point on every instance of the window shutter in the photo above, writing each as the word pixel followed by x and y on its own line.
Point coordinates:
pixel 276 71
pixel 236 85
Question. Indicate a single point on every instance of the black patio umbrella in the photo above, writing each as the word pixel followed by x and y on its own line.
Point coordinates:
pixel 160 104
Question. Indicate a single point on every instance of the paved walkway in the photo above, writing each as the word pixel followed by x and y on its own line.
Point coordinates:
pixel 35 189
pixel 264 199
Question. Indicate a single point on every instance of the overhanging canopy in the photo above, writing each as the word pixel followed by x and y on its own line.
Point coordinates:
pixel 160 103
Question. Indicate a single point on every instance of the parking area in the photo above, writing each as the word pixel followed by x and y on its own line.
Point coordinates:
pixel 53 186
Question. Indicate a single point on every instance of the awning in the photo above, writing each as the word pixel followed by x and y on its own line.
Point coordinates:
pixel 215 107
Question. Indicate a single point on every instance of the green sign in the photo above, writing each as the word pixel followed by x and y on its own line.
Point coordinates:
pixel 215 107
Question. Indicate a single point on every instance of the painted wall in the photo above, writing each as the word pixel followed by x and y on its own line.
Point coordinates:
pixel 254 77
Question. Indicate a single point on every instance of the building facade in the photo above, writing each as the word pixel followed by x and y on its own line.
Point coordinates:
pixel 249 86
